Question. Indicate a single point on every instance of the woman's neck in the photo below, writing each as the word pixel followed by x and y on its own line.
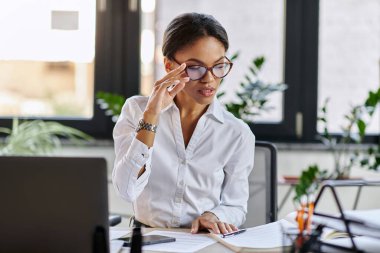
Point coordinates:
pixel 188 107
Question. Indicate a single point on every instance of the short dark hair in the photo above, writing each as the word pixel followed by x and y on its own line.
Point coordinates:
pixel 186 28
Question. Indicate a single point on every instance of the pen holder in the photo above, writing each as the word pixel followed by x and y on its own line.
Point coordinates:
pixel 297 242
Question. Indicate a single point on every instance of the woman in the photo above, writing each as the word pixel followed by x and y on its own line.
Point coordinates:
pixel 181 158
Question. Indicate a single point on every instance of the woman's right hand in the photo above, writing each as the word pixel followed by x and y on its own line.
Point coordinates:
pixel 163 93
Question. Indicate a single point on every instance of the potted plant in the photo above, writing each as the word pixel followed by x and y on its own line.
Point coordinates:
pixel 253 94
pixel 37 137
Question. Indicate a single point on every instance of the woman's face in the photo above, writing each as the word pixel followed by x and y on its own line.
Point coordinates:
pixel 206 51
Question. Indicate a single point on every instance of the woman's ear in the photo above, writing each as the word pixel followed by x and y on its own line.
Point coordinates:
pixel 168 64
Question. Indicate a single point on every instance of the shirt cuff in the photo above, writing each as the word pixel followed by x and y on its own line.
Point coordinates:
pixel 139 154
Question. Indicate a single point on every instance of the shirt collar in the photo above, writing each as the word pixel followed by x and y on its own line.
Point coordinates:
pixel 215 110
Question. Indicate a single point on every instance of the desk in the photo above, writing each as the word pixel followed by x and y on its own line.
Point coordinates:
pixel 214 248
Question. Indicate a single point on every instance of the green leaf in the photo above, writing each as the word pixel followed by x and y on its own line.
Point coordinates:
pixel 234 56
pixel 110 102
pixel 221 94
pixel 258 62
pixel 362 127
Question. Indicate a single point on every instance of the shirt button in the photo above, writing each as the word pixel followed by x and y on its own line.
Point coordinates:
pixel 145 155
pixel 183 162
pixel 177 200
pixel 181 183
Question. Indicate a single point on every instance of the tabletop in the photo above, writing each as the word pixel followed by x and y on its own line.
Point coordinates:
pixel 214 248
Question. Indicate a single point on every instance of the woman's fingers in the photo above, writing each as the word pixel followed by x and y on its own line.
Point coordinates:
pixel 195 226
pixel 215 228
pixel 170 85
pixel 178 86
pixel 228 228
pixel 175 72
pixel 234 228
pixel 222 227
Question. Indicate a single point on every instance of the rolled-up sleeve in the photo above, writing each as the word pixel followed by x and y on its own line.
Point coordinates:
pixel 131 154
pixel 235 189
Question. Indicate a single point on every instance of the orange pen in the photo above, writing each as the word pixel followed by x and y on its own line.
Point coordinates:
pixel 310 213
pixel 301 223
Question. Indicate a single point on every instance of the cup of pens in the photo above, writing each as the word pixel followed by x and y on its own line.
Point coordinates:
pixel 303 237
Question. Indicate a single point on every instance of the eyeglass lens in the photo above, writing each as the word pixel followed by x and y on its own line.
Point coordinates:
pixel 197 72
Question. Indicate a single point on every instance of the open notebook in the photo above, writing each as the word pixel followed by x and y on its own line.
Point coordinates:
pixel 265 238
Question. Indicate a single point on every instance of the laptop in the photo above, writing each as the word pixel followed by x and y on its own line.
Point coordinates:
pixel 53 204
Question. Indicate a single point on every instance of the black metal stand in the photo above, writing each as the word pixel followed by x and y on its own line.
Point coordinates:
pixel 332 184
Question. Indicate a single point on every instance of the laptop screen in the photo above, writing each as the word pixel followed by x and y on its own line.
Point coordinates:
pixel 53 204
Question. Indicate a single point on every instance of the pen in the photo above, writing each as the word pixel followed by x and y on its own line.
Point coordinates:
pixel 310 213
pixel 234 233
pixel 301 221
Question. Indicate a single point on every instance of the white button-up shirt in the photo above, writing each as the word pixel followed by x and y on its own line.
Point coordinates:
pixel 179 184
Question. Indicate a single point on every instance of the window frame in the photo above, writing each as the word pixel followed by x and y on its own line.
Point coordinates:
pixel 300 68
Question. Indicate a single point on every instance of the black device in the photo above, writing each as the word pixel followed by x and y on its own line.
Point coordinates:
pixel 148 240
pixel 53 204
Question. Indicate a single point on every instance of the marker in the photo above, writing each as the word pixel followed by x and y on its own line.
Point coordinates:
pixel 234 233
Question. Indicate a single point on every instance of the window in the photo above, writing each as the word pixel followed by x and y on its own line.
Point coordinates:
pixel 55 55
pixel 69 50
pixel 349 57
pixel 47 54
pixel 288 34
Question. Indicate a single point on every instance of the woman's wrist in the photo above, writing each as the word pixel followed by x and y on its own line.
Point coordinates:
pixel 150 117
pixel 210 213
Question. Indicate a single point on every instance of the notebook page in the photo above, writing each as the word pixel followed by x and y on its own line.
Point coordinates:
pixel 185 242
pixel 265 236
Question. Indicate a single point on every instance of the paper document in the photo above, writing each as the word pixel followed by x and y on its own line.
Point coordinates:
pixel 367 244
pixel 185 242
pixel 370 218
pixel 366 222
pixel 115 234
pixel 261 237
pixel 115 246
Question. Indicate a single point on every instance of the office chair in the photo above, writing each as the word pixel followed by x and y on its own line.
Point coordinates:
pixel 262 202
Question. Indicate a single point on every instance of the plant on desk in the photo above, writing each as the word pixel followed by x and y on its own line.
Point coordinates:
pixel 253 97
pixel 309 182
pixel 37 137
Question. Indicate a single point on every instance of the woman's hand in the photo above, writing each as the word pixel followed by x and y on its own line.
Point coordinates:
pixel 165 90
pixel 209 220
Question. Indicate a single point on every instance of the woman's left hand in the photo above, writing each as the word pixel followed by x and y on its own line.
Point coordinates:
pixel 209 220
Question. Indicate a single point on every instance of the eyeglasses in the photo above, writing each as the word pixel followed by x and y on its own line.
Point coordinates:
pixel 197 72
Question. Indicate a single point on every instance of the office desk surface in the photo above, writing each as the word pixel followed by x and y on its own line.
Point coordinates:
pixel 214 248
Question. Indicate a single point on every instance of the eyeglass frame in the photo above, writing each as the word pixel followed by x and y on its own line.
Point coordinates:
pixel 207 69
